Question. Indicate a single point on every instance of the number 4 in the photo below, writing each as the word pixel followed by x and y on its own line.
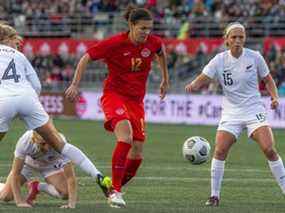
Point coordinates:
pixel 13 75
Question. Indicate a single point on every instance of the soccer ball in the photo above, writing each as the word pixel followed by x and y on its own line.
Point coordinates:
pixel 196 150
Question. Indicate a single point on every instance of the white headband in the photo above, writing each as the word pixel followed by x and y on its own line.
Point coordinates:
pixel 233 26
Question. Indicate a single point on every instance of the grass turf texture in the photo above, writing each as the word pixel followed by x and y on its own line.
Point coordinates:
pixel 165 182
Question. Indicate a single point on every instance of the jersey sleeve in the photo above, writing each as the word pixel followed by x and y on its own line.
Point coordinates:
pixel 262 68
pixel 28 68
pixel 158 43
pixel 22 146
pixel 210 69
pixel 100 50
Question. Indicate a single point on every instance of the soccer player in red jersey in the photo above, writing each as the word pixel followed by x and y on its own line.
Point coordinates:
pixel 128 56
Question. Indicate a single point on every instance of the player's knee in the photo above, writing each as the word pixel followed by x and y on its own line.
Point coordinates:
pixel 124 131
pixel 220 154
pixel 270 154
pixel 136 152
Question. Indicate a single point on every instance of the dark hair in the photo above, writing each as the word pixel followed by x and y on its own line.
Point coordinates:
pixel 133 14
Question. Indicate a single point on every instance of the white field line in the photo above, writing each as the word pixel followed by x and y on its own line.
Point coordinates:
pixel 196 168
pixel 190 179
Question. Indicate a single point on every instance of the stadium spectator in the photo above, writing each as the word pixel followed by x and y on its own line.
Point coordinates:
pixel 128 56
pixel 237 70
pixel 263 17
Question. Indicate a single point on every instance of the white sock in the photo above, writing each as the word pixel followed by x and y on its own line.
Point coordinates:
pixel 80 159
pixel 278 171
pixel 217 174
pixel 49 189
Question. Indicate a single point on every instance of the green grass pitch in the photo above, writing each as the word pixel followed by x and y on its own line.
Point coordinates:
pixel 165 182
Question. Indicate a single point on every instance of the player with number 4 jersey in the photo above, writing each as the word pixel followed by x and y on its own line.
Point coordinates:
pixel 19 96
pixel 128 56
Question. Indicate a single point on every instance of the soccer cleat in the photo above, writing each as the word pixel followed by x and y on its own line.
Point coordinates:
pixel 212 201
pixel 33 191
pixel 105 183
pixel 116 200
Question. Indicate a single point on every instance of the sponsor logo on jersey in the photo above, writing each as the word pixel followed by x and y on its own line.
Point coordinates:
pixel 145 52
pixel 248 68
pixel 126 53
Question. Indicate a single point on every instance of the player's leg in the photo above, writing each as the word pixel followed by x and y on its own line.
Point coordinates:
pixel 51 136
pixel 226 136
pixel 264 137
pixel 117 121
pixel 7 113
pixel 53 177
pixel 123 132
pixel 135 156
pixel 133 161
pixel 55 185
pixel 37 119
pixel 6 193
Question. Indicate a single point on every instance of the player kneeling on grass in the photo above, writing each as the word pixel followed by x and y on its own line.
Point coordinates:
pixel 34 154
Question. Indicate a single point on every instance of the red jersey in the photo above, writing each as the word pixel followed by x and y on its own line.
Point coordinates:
pixel 129 64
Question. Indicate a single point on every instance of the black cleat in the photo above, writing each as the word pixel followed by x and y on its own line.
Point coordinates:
pixel 213 201
pixel 105 183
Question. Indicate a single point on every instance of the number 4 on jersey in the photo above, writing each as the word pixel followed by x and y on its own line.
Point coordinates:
pixel 8 75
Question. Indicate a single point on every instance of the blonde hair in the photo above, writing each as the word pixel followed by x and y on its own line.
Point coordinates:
pixel 230 27
pixel 7 32
pixel 36 138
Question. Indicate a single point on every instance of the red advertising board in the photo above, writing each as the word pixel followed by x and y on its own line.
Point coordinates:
pixel 77 46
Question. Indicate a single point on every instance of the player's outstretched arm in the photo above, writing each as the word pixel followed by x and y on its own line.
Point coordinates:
pixel 197 83
pixel 164 85
pixel 71 186
pixel 73 90
pixel 272 90
pixel 16 183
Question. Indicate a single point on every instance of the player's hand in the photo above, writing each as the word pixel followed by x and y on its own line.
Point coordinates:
pixel 72 93
pixel 24 205
pixel 164 85
pixel 189 88
pixel 274 103
pixel 68 206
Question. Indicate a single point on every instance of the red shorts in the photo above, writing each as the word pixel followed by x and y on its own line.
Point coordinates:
pixel 117 108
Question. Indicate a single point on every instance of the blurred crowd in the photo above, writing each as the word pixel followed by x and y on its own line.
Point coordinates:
pixel 181 18
pixel 56 71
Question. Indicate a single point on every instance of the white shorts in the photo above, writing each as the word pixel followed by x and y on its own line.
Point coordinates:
pixel 236 127
pixel 27 107
pixel 54 168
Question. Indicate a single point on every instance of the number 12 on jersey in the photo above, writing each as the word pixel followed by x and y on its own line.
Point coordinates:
pixel 136 64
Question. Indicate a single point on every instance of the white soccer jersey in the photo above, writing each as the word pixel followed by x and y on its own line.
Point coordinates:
pixel 14 69
pixel 33 156
pixel 239 78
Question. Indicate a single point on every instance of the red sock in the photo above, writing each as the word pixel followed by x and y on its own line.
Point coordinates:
pixel 131 167
pixel 118 163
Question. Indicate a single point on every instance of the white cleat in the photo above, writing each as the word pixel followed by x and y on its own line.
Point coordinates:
pixel 116 200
